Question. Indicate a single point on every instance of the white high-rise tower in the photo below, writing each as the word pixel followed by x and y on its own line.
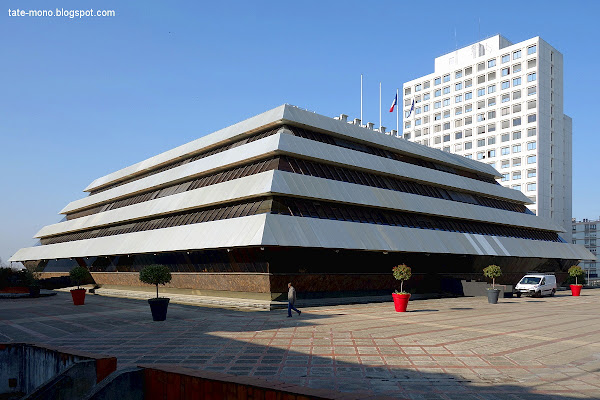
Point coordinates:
pixel 502 104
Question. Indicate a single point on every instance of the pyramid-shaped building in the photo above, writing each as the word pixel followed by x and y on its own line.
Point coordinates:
pixel 290 195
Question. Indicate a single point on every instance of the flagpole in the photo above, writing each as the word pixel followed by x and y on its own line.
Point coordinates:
pixel 397 111
pixel 361 97
pixel 379 104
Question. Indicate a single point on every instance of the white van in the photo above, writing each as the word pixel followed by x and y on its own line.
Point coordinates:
pixel 536 285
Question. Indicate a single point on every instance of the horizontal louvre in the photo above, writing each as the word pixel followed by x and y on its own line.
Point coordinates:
pixel 307 134
pixel 385 153
pixel 310 209
pixel 189 159
pixel 212 179
pixel 343 212
pixel 326 171
pixel 311 168
pixel 185 218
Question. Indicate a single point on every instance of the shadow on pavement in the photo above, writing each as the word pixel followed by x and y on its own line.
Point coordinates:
pixel 260 344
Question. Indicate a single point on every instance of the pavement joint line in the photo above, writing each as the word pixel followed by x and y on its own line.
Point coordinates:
pixel 54 318
pixel 554 340
pixel 488 331
pixel 26 330
pixel 306 340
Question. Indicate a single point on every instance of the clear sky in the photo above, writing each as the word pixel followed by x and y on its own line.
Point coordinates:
pixel 81 98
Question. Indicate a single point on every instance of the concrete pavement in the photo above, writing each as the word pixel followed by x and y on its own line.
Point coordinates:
pixel 459 348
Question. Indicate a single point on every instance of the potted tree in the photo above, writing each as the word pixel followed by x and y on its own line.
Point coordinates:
pixel 402 273
pixel 492 271
pixel 157 275
pixel 575 271
pixel 33 282
pixel 78 276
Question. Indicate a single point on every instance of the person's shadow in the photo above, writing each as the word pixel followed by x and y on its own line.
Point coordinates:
pixel 266 345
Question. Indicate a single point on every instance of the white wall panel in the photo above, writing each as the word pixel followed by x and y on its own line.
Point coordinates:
pixel 228 157
pixel 350 131
pixel 243 231
pixel 296 115
pixel 339 155
pixel 287 183
pixel 250 124
pixel 209 195
pixel 352 235
pixel 281 230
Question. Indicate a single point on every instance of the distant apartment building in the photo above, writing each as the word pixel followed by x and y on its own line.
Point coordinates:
pixel 584 232
pixel 502 104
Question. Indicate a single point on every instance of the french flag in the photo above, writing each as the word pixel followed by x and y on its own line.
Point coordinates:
pixel 412 107
pixel 394 103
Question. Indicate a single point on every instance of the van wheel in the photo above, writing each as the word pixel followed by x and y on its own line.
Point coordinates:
pixel 519 295
pixel 552 292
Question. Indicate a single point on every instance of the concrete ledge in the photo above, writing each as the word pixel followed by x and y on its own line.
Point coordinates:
pixel 124 384
pixel 177 383
pixel 43 293
pixel 244 303
pixel 186 299
pixel 40 370
pixel 472 288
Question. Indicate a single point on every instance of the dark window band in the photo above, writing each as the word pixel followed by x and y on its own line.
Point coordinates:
pixel 239 209
pixel 189 159
pixel 364 148
pixel 343 212
pixel 255 167
pixel 343 174
pixel 311 168
pixel 312 209
pixel 281 261
pixel 250 259
pixel 306 134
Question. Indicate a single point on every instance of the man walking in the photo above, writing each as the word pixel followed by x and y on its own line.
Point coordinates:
pixel 292 300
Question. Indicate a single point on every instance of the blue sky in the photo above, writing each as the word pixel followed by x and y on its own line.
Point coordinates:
pixel 81 98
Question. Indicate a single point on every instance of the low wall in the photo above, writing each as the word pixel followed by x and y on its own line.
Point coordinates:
pixel 15 289
pixel 45 275
pixel 27 366
pixel 315 282
pixel 265 286
pixel 168 382
pixel 75 382
pixel 480 289
pixel 221 281
pixel 56 280
pixel 182 383
pixel 124 384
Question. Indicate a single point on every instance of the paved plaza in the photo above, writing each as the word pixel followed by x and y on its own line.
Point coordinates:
pixel 462 348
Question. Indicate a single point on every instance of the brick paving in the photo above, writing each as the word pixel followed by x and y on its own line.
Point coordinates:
pixel 463 348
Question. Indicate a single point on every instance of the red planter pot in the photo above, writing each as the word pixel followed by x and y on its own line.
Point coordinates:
pixel 15 289
pixel 78 296
pixel 576 290
pixel 400 301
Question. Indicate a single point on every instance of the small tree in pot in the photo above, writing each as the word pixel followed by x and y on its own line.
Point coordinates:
pixel 576 272
pixel 33 281
pixel 402 273
pixel 157 275
pixel 78 276
pixel 493 271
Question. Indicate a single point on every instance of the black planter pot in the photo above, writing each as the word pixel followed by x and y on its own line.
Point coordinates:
pixel 493 295
pixel 158 306
pixel 34 291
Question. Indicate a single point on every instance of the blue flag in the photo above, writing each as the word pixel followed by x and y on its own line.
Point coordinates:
pixel 412 107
